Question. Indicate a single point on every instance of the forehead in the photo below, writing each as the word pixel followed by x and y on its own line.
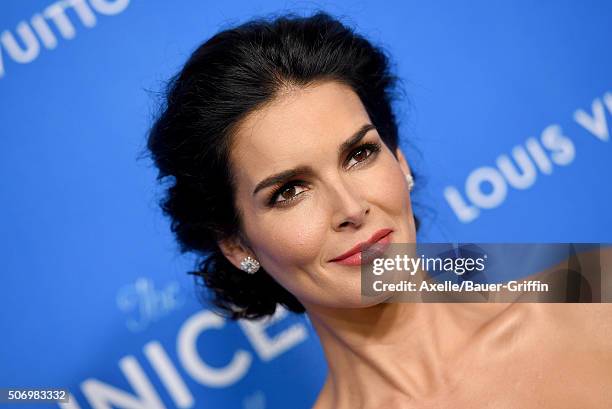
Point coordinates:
pixel 296 128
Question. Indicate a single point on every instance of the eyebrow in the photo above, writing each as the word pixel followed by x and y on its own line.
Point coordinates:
pixel 280 177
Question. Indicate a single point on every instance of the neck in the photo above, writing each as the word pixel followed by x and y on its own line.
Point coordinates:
pixel 404 349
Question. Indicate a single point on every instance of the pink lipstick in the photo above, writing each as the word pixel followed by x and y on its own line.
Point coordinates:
pixel 366 251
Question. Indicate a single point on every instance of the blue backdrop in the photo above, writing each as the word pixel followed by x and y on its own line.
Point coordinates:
pixel 507 119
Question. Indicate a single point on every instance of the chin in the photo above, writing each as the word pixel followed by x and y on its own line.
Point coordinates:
pixel 366 301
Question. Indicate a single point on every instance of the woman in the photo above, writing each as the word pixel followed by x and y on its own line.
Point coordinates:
pixel 281 145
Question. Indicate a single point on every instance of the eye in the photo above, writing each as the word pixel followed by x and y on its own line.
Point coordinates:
pixel 287 193
pixel 362 153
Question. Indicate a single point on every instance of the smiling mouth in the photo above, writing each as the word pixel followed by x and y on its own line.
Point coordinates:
pixel 368 252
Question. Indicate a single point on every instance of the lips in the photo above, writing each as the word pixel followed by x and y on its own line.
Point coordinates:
pixel 365 251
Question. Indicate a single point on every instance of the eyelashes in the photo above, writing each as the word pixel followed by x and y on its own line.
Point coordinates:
pixel 355 158
pixel 287 187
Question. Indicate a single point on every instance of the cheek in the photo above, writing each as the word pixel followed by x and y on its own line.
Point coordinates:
pixel 290 239
pixel 391 191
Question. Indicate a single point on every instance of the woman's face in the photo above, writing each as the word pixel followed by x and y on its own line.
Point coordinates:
pixel 314 179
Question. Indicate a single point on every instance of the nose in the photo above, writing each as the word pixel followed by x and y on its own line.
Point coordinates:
pixel 350 206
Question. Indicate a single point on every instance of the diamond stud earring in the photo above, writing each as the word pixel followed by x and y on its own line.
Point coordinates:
pixel 249 264
pixel 410 181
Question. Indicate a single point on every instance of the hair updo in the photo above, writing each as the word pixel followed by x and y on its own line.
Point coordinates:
pixel 229 76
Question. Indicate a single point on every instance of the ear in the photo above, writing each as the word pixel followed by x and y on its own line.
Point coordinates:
pixel 402 161
pixel 234 250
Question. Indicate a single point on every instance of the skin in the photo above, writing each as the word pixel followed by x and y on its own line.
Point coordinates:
pixel 394 355
pixel 340 205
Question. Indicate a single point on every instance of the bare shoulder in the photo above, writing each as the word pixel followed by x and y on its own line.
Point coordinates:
pixel 591 322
